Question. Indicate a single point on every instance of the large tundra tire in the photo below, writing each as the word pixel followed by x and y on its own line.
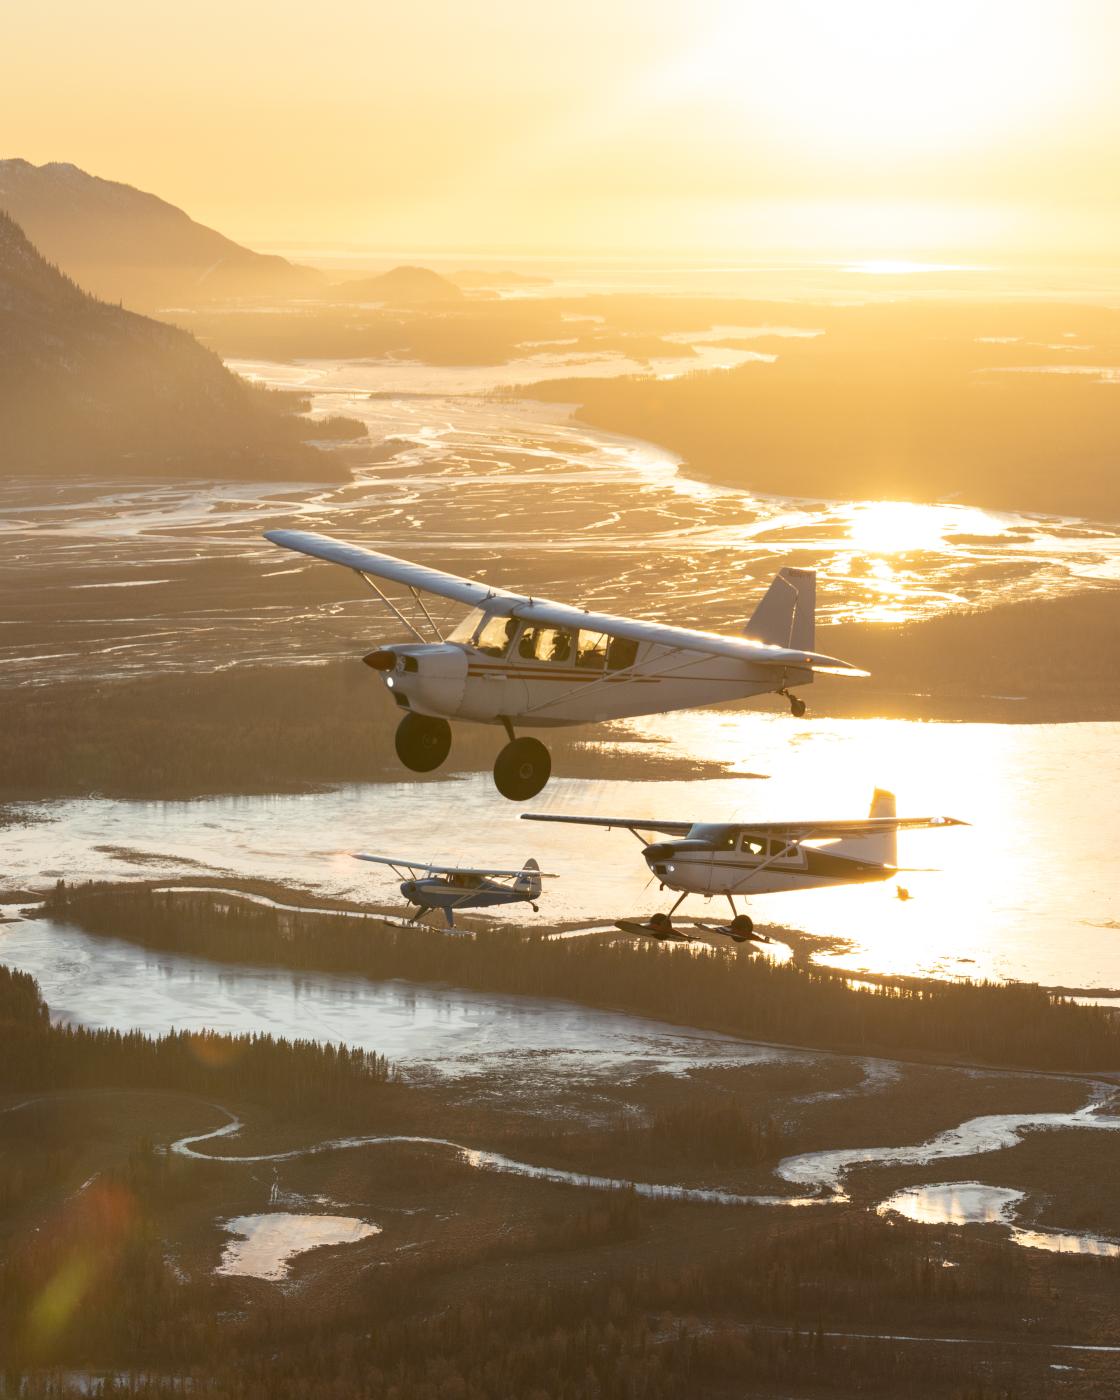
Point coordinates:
pixel 423 742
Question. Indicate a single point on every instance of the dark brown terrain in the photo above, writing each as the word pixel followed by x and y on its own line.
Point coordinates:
pixel 89 388
pixel 491 1284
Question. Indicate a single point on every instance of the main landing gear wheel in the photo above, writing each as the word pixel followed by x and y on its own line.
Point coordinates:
pixel 741 927
pixel 522 769
pixel 423 742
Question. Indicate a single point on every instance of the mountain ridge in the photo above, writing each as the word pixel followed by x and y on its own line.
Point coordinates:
pixel 127 244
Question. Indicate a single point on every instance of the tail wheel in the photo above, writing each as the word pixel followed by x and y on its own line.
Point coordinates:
pixel 522 769
pixel 423 742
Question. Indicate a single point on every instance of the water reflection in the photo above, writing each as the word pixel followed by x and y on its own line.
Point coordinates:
pixel 423 1029
pixel 527 482
pixel 972 1203
pixel 991 1132
pixel 1027 892
pixel 266 1244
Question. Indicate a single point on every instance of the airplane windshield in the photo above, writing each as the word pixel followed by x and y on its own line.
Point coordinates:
pixel 718 837
pixel 490 635
pixel 469 625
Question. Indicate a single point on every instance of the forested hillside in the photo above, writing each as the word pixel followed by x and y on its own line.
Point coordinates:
pixel 91 388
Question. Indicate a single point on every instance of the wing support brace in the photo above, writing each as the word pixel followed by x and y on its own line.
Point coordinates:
pixel 369 583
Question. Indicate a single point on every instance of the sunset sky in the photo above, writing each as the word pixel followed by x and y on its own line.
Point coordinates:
pixel 823 128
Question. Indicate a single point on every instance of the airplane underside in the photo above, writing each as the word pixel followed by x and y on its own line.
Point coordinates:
pixel 523 766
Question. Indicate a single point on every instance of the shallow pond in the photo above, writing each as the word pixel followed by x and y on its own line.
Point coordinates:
pixel 265 1245
pixel 972 1203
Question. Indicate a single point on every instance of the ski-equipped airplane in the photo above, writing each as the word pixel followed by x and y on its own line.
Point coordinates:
pixel 744 858
pixel 517 660
pixel 451 887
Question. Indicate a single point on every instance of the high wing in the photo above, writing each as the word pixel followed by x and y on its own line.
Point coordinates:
pixel 386 566
pixel 790 831
pixel 483 871
pixel 502 603
pixel 623 823
pixel 860 826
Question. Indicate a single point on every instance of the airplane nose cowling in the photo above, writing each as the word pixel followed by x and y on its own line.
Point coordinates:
pixel 408 889
pixel 660 850
pixel 431 677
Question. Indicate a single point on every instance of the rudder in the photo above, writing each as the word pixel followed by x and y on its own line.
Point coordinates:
pixel 528 883
pixel 786 617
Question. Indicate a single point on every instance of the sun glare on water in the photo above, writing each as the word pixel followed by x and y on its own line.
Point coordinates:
pixel 892 527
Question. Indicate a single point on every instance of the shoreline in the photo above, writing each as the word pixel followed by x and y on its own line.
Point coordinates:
pixel 254 892
pixel 299 899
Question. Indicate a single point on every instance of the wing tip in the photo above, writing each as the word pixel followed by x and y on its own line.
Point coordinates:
pixel 287 539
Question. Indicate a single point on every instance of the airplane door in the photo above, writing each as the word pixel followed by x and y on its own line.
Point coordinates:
pixel 492 693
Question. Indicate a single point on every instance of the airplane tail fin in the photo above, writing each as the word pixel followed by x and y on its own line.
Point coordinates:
pixel 885 844
pixel 786 617
pixel 880 846
pixel 528 883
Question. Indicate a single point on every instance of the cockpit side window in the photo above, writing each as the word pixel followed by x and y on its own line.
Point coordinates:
pixel 552 644
pixel 752 846
pixel 592 653
pixel 561 646
pixel 496 635
pixel 621 653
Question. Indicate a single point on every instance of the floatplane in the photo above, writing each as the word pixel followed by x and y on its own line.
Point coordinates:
pixel 747 858
pixel 452 887
pixel 525 662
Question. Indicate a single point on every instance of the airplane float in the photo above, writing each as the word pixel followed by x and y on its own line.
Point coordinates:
pixel 527 662
pixel 451 887
pixel 744 858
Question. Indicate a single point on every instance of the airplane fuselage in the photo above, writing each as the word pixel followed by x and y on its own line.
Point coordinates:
pixel 440 893
pixel 453 680
pixel 713 862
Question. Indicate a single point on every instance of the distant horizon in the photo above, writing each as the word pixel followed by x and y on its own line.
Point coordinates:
pixel 862 130
pixel 915 261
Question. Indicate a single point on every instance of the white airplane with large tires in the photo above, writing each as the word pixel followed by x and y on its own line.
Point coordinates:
pixel 747 858
pixel 528 663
